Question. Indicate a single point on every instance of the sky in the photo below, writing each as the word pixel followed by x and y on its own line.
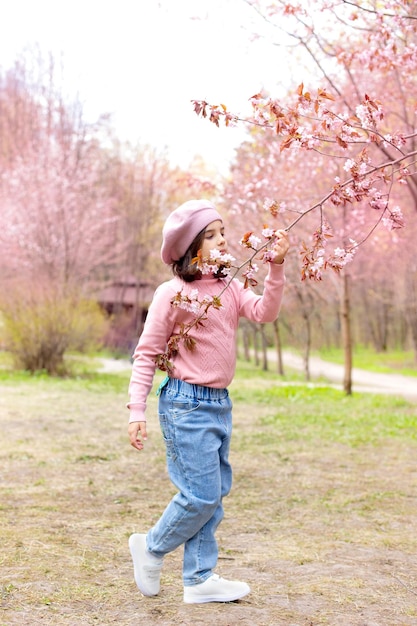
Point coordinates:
pixel 143 61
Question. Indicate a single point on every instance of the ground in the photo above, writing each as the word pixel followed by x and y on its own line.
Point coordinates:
pixel 325 534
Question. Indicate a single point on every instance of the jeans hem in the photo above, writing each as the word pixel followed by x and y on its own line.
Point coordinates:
pixel 198 581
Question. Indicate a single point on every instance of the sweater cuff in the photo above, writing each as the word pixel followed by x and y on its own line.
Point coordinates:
pixel 277 269
pixel 136 414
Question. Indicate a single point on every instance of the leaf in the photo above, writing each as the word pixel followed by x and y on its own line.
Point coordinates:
pixel 279 126
pixel 341 142
pixel 246 236
pixel 322 93
pixel 189 343
pixel 164 364
pixel 216 302
pixel 286 143
pixel 200 107
pixel 172 345
pixel 371 102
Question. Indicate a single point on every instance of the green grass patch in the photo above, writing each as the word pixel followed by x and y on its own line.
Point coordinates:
pixel 291 410
pixel 83 373
pixel 95 382
pixel 393 361
pixel 323 413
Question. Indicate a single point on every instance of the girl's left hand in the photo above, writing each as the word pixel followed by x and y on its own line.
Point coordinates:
pixel 137 434
pixel 281 246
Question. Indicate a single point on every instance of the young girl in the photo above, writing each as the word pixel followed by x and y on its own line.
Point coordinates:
pixel 194 405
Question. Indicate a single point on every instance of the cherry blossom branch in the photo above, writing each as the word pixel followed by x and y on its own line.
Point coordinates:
pixel 346 184
pixel 335 128
pixel 375 12
pixel 218 262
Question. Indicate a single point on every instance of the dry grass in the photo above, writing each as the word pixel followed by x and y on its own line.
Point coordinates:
pixel 323 531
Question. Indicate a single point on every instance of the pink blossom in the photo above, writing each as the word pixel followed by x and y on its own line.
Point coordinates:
pixel 250 241
pixel 349 165
pixel 269 256
pixel 268 233
pixel 404 172
pixel 187 302
pixel 251 271
pixel 254 241
pixel 341 257
pixel 272 206
pixel 394 220
pixel 222 258
pixel 378 202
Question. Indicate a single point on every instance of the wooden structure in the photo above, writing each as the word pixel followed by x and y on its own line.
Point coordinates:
pixel 126 302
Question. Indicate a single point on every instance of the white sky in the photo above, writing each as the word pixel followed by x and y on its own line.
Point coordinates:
pixel 144 60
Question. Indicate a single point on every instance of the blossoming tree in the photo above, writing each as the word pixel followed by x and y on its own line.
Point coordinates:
pixel 358 122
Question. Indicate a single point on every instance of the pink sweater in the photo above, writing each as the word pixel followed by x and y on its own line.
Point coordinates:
pixel 212 363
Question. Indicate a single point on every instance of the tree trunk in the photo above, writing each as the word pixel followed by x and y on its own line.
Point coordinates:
pixel 264 349
pixel 346 334
pixel 280 363
pixel 255 344
pixel 246 344
pixel 307 347
pixel 411 307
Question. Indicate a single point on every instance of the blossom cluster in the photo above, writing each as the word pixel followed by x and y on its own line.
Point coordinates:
pixel 314 259
pixel 394 219
pixel 265 251
pixel 217 261
pixel 191 303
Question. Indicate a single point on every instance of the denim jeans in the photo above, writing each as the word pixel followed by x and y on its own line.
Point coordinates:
pixel 196 424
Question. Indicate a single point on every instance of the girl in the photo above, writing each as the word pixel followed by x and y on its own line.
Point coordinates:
pixel 194 405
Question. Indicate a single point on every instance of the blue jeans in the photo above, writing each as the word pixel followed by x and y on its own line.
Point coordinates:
pixel 196 424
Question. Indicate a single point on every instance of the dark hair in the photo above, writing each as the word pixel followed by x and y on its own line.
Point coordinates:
pixel 184 267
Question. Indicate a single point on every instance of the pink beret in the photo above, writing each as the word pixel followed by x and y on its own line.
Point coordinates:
pixel 182 227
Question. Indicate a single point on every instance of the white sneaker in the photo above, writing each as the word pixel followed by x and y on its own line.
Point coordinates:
pixel 147 567
pixel 215 589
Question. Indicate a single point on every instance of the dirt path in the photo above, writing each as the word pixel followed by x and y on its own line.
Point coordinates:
pixel 363 380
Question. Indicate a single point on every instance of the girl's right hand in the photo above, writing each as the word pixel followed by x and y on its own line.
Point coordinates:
pixel 281 246
pixel 137 434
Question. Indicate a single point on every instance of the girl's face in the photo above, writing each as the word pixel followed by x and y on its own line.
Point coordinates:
pixel 213 239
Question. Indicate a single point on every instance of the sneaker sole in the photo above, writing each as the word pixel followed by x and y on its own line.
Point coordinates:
pixel 214 598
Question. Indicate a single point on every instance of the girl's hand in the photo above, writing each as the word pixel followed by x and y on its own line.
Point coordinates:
pixel 137 434
pixel 281 246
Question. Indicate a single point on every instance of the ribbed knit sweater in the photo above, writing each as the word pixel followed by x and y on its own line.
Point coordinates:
pixel 212 362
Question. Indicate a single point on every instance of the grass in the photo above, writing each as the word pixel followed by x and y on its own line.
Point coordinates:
pixel 321 519
pixel 392 361
pixel 317 411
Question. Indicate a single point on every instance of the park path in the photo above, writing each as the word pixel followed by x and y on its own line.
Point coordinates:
pixel 373 382
pixel 363 380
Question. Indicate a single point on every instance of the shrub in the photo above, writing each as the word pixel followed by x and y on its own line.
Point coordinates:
pixel 39 326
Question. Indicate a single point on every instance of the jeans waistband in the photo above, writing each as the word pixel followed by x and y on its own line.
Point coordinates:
pixel 195 391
